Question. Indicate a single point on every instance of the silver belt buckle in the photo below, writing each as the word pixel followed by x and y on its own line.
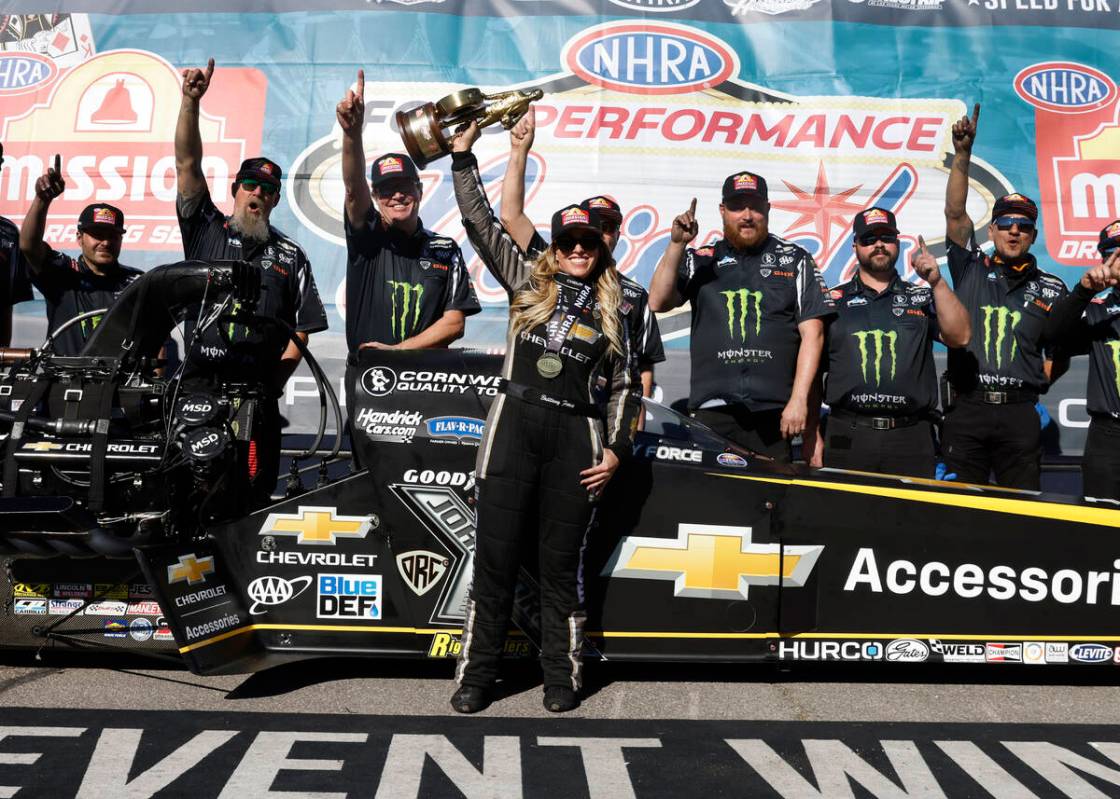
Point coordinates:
pixel 882 423
pixel 995 397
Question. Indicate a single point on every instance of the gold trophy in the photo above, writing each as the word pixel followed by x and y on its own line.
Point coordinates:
pixel 427 129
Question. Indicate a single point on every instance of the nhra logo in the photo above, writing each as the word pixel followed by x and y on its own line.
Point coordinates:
pixel 1064 87
pixel 650 58
pixel 21 72
pixel 656 6
pixel 421 570
pixel 271 590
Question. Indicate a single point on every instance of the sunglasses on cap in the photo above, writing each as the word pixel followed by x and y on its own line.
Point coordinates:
pixel 867 239
pixel 1006 222
pixel 267 189
pixel 588 241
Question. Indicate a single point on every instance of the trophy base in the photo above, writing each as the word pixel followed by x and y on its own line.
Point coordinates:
pixel 422 135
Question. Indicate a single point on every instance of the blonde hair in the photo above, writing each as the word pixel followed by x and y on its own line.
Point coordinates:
pixel 535 304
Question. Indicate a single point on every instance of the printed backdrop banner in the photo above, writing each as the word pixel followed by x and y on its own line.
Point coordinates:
pixel 840 105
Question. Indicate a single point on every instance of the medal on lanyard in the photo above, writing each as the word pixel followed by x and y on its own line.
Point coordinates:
pixel 550 364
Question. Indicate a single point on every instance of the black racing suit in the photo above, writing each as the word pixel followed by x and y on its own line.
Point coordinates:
pixel 540 434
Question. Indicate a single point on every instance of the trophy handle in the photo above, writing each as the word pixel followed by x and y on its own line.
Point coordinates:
pixel 460 106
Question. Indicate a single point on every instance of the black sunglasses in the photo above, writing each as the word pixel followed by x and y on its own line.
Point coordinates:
pixel 867 239
pixel 587 241
pixel 743 201
pixel 1007 222
pixel 609 225
pixel 267 189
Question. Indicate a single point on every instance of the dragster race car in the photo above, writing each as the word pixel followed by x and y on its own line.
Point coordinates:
pixel 702 551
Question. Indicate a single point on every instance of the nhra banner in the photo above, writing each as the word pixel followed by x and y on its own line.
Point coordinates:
pixel 840 105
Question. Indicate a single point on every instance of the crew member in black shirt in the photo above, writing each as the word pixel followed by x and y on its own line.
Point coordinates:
pixel 245 353
pixel 881 382
pixel 406 287
pixel 758 315
pixel 73 286
pixel 528 238
pixel 1091 324
pixel 990 418
pixel 15 286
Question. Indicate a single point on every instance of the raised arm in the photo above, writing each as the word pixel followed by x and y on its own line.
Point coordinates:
pixel 958 227
pixel 663 293
pixel 513 183
pixel 952 318
pixel 505 260
pixel 351 114
pixel 36 251
pixel 188 140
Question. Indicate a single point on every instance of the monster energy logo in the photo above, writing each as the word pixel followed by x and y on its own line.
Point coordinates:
pixel 1115 347
pixel 410 295
pixel 92 323
pixel 744 299
pixel 998 322
pixel 877 337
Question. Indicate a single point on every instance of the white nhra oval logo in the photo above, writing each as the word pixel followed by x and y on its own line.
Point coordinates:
pixel 650 58
pixel 22 72
pixel 1065 87
pixel 271 590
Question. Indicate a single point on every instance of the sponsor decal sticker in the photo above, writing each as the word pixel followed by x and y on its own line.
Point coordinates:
pixel 709 561
pixel 35 590
pixel 1003 653
pixel 64 607
pixel 829 650
pixel 143 607
pixel 459 428
pixel 272 590
pixel 575 216
pixel 1057 652
pixel 30 607
pixel 190 569
pixel 957 652
pixel 1034 652
pixel 115 628
pixel 73 590
pixel 316 526
pixel 421 570
pixel 1091 653
pixel 140 629
pixel 446 645
pixel 907 650
pixel 109 607
pixel 348 596
pixel 730 459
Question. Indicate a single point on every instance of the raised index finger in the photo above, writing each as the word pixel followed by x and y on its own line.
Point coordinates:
pixel 361 83
pixel 209 69
pixel 975 114
pixel 58 163
pixel 922 245
pixel 692 208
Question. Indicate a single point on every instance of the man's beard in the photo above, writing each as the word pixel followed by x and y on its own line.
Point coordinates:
pixel 881 268
pixel 753 237
pixel 251 229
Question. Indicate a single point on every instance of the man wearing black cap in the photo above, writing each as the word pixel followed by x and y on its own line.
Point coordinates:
pixel 244 353
pixel 990 418
pixel 406 286
pixel 758 314
pixel 1091 324
pixel 881 383
pixel 73 286
pixel 14 284
pixel 528 238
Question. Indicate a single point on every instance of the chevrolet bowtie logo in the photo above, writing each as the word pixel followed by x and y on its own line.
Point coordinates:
pixel 316 526
pixel 709 561
pixel 190 568
pixel 42 446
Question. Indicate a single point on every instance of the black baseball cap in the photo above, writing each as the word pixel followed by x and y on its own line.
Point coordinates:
pixel 874 219
pixel 260 169
pixel 101 215
pixel 572 217
pixel 392 166
pixel 607 208
pixel 744 184
pixel 1110 237
pixel 1018 204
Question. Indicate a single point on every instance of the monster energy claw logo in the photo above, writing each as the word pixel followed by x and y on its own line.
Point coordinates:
pixel 1115 347
pixel 877 337
pixel 92 323
pixel 410 295
pixel 744 299
pixel 998 322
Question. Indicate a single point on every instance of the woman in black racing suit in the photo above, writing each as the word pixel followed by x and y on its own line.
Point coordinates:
pixel 549 447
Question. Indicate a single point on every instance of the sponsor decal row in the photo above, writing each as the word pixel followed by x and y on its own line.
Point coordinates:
pixel 26 606
pixel 337 596
pixel 914 650
pixel 103 591
pixel 401 427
